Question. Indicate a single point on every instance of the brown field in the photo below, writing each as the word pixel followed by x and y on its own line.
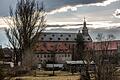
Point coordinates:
pixel 59 75
pixel 48 78
pixel 44 75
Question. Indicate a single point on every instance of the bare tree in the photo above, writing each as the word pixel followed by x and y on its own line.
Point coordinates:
pixel 26 25
pixel 1 54
pixel 104 68
pixel 2 74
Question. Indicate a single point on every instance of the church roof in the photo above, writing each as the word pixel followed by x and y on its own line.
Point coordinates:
pixel 58 36
pixel 47 47
pixel 104 45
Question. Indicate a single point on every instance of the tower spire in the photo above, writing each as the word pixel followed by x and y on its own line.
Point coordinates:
pixel 85 33
pixel 84 19
pixel 84 30
pixel 84 23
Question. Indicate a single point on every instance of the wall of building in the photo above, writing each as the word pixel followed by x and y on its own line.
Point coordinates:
pixel 59 58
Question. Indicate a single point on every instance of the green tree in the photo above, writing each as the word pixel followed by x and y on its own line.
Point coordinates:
pixel 79 46
pixel 82 55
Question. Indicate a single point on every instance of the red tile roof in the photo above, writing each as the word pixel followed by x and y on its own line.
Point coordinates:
pixel 52 46
pixel 47 47
pixel 104 45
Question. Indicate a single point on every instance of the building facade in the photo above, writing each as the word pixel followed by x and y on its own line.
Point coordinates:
pixel 59 47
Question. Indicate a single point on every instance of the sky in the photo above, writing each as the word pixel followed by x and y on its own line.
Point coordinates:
pixel 100 14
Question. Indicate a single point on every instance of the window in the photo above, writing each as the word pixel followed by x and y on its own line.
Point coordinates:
pixel 45 60
pixel 58 38
pixel 59 55
pixel 41 55
pixel 53 35
pixel 52 55
pixel 65 44
pixel 50 38
pixel 69 35
pixel 87 48
pixel 67 38
pixel 41 50
pixel 38 56
pixel 51 46
pixel 45 56
pixel 61 35
pixel 42 38
pixel 75 39
pixel 65 55
pixel 68 55
pixel 44 34
pixel 48 55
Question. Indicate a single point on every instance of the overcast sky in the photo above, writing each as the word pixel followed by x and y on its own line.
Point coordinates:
pixel 102 13
pixel 73 11
pixel 98 13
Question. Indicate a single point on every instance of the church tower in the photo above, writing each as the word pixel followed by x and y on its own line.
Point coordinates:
pixel 85 33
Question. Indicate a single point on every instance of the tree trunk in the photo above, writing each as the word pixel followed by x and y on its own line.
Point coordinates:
pixel 27 60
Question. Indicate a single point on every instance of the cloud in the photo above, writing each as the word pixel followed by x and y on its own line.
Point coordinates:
pixel 92 25
pixel 54 6
pixel 117 13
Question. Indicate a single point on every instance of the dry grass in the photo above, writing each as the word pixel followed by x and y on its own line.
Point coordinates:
pixel 48 78
pixel 44 75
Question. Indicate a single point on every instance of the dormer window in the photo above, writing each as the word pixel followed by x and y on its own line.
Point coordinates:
pixel 58 38
pixel 42 38
pixel 61 35
pixel 44 34
pixel 53 35
pixel 69 35
pixel 67 38
pixel 50 38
